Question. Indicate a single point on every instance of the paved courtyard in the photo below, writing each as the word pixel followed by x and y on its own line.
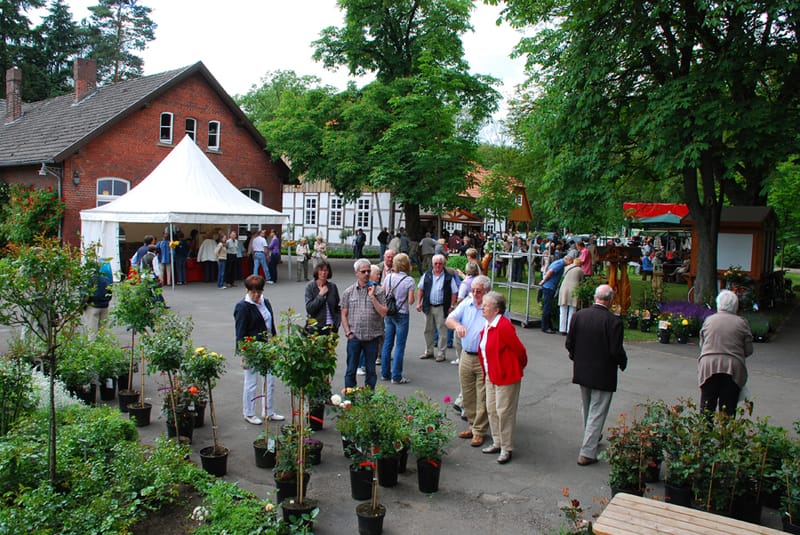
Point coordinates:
pixel 476 494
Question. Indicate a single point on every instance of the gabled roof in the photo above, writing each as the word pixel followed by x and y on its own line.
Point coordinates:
pixel 52 130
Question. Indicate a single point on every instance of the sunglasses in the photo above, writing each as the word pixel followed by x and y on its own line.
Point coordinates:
pixel 364 271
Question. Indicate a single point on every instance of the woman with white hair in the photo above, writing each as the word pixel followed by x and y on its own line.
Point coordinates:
pixel 725 343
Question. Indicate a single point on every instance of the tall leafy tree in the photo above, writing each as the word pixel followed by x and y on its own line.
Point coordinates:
pixel 413 130
pixel 15 34
pixel 705 92
pixel 118 29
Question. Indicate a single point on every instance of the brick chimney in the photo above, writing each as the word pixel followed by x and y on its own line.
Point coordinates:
pixel 85 75
pixel 13 94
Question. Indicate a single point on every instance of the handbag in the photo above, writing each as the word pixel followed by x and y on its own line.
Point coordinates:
pixel 391 303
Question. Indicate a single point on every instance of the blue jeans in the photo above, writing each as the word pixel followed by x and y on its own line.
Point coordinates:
pixel 260 259
pixel 396 335
pixel 354 349
pixel 180 269
pixel 220 273
pixel 547 308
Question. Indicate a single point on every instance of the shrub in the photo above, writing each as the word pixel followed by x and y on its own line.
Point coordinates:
pixel 30 213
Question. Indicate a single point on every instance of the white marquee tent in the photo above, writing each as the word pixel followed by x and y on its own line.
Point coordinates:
pixel 184 188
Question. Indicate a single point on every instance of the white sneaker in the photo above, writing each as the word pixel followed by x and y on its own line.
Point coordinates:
pixel 275 417
pixel 269 282
pixel 454 361
pixel 361 371
pixel 255 420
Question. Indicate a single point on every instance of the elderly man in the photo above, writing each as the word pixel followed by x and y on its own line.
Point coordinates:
pixel 468 322
pixel 427 248
pixel 436 297
pixel 363 309
pixel 386 266
pixel 549 285
pixel 594 343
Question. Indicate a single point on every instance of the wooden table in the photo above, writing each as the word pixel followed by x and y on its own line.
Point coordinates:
pixel 627 514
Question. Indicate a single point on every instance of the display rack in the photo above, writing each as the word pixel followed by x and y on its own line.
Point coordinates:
pixel 526 319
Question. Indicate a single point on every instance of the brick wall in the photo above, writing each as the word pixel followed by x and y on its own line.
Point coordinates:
pixel 131 150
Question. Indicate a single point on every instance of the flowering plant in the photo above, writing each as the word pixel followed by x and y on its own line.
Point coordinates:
pixel 185 397
pixel 681 327
pixel 256 354
pixel 174 243
pixel 30 213
pixel 430 428
pixel 207 367
pixel 626 453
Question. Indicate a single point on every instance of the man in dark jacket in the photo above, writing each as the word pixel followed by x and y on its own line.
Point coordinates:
pixel 594 343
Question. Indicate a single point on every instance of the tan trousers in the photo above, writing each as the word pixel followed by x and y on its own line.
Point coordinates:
pixel 473 392
pixel 436 316
pixel 501 402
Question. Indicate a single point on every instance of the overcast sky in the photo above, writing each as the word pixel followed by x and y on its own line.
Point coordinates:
pixel 241 40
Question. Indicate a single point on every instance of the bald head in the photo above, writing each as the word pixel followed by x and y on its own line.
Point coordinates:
pixel 603 295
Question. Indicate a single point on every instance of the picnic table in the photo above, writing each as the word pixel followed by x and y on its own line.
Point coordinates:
pixel 627 514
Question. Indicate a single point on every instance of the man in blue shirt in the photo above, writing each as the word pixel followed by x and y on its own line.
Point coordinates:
pixel 549 285
pixel 467 321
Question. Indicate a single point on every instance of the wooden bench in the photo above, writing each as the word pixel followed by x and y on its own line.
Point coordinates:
pixel 627 514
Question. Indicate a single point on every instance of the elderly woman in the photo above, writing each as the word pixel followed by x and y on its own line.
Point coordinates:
pixel 402 286
pixel 570 280
pixel 725 343
pixel 303 253
pixel 503 358
pixel 322 300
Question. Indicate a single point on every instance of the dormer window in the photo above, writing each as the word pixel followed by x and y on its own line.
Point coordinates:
pixel 165 135
pixel 213 135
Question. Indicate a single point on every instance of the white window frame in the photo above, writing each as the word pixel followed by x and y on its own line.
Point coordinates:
pixel 362 213
pixel 310 212
pixel 191 132
pixel 106 196
pixel 336 213
pixel 254 195
pixel 215 135
pixel 165 130
pixel 519 199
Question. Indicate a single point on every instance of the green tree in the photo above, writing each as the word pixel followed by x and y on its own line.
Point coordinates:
pixel 413 130
pixel 118 28
pixel 15 35
pixel 31 214
pixel 58 41
pixel 43 289
pixel 705 93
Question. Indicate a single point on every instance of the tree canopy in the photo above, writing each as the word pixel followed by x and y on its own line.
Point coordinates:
pixel 112 35
pixel 700 92
pixel 412 131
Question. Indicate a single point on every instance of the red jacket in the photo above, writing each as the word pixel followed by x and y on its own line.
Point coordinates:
pixel 505 354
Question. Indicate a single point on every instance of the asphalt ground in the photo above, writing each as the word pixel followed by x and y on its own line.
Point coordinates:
pixel 477 495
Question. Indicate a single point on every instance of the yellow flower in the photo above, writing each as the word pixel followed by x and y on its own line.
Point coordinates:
pixel 685 322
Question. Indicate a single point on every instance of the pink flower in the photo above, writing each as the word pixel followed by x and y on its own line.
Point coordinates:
pixel 447 399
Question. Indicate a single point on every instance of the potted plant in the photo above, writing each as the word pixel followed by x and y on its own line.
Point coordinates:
pixel 76 366
pixel 682 328
pixel 664 329
pixel 207 367
pixel 255 354
pixel 184 410
pixel 375 422
pixel 305 364
pixel 790 501
pixel 136 307
pixel 683 431
pixel 110 362
pixel 626 456
pixel 632 318
pixel 286 473
pixel 166 348
pixel 430 434
pixel 353 423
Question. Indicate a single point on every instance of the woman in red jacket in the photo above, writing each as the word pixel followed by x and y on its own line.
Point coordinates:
pixel 503 358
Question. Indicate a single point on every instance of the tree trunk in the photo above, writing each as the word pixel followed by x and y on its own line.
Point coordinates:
pixel 705 214
pixel 51 453
pixel 411 212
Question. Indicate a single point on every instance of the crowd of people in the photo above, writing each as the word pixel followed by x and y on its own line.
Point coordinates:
pixel 463 314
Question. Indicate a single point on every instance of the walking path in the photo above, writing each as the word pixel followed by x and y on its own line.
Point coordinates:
pixel 476 494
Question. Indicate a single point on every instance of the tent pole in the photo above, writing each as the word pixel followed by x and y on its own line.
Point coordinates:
pixel 171 259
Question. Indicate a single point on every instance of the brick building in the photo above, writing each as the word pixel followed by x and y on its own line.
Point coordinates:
pixel 100 142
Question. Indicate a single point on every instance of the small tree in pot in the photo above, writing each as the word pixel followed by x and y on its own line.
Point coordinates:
pixel 166 349
pixel 304 362
pixel 431 432
pixel 137 308
pixel 255 354
pixel 207 367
